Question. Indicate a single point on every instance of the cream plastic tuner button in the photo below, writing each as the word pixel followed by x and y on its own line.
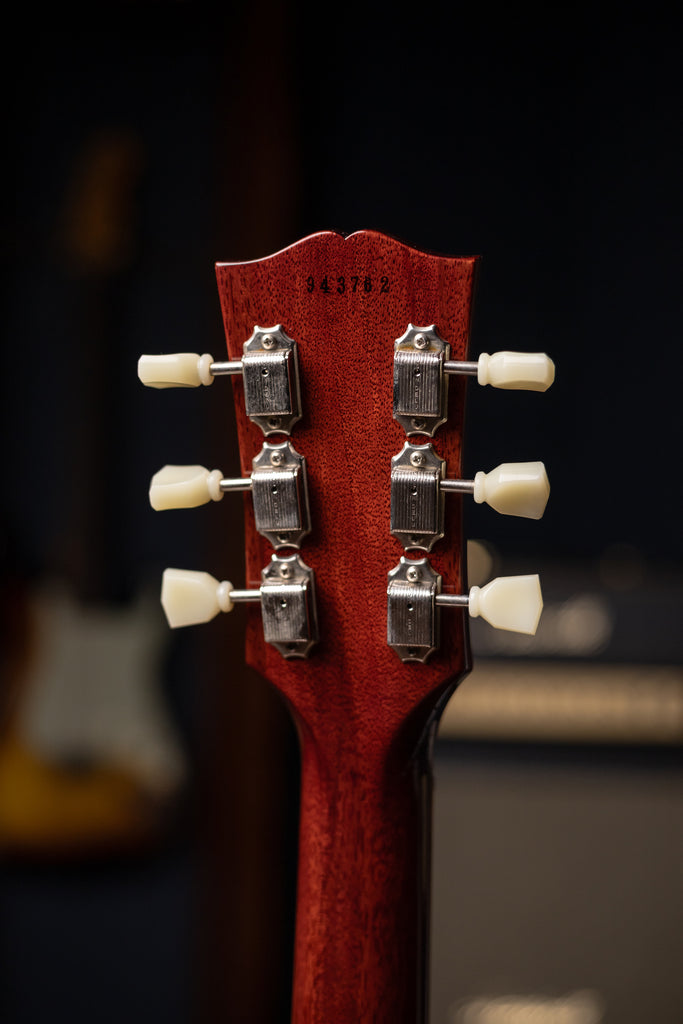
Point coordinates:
pixel 514 603
pixel 520 371
pixel 176 370
pixel 514 489
pixel 184 487
pixel 189 598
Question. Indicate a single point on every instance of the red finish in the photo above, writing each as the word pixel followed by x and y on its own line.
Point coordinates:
pixel 363 717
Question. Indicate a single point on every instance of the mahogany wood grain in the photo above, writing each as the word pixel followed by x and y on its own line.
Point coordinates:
pixel 365 720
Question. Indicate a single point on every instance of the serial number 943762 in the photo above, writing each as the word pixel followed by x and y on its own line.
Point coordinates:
pixel 341 285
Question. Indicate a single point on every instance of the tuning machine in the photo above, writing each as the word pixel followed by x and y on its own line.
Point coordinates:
pixel 286 596
pixel 278 485
pixel 414 598
pixel 421 367
pixel 419 484
pixel 269 368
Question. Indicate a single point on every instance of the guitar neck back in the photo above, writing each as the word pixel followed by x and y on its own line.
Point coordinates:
pixel 362 714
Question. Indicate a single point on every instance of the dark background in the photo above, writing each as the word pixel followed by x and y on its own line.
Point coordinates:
pixel 550 145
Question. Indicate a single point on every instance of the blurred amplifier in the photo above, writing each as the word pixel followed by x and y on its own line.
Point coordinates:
pixel 606 665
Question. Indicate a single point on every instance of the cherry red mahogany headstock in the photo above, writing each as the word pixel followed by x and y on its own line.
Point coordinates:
pixel 362 894
pixel 345 300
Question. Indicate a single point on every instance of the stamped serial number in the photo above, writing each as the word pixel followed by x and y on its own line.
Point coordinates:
pixel 341 285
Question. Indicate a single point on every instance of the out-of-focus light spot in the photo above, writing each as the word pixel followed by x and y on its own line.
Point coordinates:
pixel 576 1008
pixel 561 702
pixel 481 558
pixel 581 626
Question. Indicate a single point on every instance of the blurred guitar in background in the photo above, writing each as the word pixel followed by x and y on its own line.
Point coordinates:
pixel 89 759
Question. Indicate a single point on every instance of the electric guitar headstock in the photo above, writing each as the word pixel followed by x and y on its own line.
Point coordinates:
pixel 349 363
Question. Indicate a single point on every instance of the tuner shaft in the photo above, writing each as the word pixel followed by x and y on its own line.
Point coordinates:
pixel 446 600
pixel 459 486
pixel 219 369
pixel 236 484
pixel 468 369
pixel 242 596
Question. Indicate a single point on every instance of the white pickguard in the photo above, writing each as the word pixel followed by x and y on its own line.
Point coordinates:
pixel 94 693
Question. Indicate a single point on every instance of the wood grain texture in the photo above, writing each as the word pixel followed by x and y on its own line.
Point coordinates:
pixel 363 717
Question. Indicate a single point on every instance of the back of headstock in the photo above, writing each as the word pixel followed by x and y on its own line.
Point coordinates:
pixel 345 301
pixel 349 364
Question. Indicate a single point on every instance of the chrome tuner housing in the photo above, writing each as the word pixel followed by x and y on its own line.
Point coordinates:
pixel 417 501
pixel 272 390
pixel 420 384
pixel 280 492
pixel 288 606
pixel 412 622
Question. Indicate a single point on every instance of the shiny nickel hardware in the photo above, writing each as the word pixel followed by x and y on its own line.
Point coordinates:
pixel 288 606
pixel 420 385
pixel 417 498
pixel 280 491
pixel 412 622
pixel 270 368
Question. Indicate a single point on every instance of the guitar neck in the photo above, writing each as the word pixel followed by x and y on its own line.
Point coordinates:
pixel 363 887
